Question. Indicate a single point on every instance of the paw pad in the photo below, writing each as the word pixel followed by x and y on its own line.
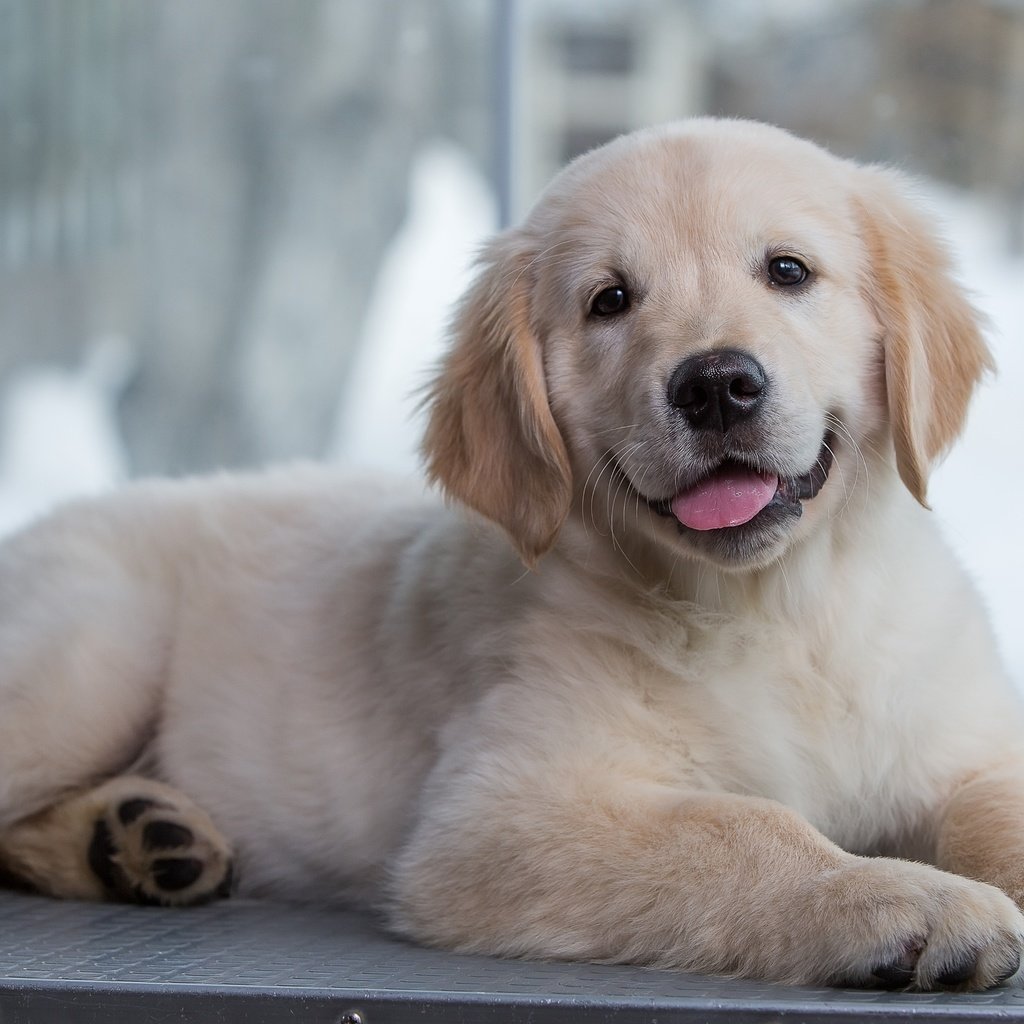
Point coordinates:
pixel 129 810
pixel 175 873
pixel 153 851
pixel 165 835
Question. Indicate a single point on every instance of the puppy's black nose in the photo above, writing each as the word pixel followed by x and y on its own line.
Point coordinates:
pixel 716 389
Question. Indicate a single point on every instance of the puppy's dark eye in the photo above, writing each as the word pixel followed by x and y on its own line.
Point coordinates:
pixel 610 302
pixel 787 271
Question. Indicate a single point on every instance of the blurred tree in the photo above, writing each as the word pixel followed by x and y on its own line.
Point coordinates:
pixel 217 184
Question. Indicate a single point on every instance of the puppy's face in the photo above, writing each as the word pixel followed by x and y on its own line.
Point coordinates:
pixel 708 344
pixel 696 335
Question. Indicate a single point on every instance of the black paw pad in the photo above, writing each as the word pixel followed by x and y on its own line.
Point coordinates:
pixel 100 855
pixel 165 835
pixel 131 809
pixel 174 873
pixel 959 971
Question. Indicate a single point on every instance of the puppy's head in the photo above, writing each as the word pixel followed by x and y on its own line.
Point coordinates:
pixel 703 334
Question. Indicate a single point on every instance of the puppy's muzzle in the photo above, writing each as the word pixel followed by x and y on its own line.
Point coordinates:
pixel 716 390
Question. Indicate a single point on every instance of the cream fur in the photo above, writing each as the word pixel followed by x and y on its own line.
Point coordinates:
pixel 642 751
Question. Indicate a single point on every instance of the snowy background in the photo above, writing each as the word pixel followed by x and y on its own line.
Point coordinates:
pixel 978 493
pixel 59 435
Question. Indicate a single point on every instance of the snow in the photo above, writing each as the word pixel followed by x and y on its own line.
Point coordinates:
pixel 58 434
pixel 429 264
pixel 978 493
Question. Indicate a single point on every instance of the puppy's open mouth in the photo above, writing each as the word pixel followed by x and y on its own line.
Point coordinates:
pixel 735 494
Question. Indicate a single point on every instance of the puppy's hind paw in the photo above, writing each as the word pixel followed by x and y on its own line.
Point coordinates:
pixel 153 845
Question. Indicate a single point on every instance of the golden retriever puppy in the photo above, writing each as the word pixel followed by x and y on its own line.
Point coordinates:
pixel 743 716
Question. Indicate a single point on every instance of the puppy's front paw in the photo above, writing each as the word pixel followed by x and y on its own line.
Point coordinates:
pixel 155 846
pixel 914 927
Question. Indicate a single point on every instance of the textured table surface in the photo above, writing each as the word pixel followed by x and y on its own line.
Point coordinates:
pixel 259 962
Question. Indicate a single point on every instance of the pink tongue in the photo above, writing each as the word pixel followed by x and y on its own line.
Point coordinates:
pixel 727 498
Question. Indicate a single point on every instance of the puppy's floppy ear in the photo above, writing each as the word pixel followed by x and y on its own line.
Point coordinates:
pixel 491 440
pixel 934 350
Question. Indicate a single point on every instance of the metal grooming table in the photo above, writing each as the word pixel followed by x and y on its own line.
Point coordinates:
pixel 237 960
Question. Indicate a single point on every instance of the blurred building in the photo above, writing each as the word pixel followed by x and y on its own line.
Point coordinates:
pixel 216 184
pixel 936 86
pixel 591 69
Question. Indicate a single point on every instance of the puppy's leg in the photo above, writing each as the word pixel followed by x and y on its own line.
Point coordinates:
pixel 981 832
pixel 129 839
pixel 85 627
pixel 700 882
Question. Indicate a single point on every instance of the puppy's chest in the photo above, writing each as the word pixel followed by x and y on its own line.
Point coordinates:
pixel 829 736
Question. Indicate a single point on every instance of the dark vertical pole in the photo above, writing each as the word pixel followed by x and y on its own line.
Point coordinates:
pixel 506 44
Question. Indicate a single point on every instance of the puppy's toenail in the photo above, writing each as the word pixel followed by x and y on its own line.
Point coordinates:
pixel 894 975
pixel 1012 967
pixel 899 973
pixel 959 971
pixel 174 873
pixel 165 835
pixel 131 809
